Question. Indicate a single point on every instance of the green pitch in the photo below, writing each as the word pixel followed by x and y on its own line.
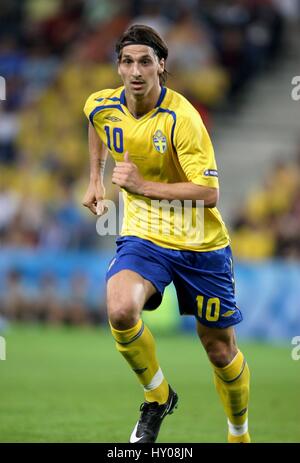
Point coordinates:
pixel 71 385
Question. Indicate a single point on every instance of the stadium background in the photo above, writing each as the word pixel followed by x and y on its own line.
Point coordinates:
pixel 62 380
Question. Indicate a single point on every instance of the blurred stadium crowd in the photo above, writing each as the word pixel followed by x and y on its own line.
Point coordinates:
pixel 49 301
pixel 269 223
pixel 53 54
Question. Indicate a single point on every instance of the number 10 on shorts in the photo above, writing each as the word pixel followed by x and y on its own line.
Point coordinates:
pixel 212 310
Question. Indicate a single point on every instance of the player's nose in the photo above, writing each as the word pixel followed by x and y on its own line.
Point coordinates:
pixel 136 70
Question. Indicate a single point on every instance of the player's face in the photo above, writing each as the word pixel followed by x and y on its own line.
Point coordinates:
pixel 139 68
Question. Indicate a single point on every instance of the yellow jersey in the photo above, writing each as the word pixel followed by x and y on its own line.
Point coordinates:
pixel 169 144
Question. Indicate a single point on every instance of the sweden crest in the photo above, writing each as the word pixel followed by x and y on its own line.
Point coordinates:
pixel 160 141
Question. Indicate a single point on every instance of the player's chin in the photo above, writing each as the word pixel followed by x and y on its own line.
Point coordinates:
pixel 139 93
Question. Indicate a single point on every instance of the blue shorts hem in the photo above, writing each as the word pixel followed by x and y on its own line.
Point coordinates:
pixel 220 324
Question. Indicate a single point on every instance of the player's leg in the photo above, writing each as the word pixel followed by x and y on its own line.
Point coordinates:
pixel 127 293
pixel 231 376
pixel 205 289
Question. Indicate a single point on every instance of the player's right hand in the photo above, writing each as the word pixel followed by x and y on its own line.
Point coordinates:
pixel 93 198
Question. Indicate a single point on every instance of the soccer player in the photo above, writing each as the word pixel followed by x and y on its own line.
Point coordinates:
pixel 163 154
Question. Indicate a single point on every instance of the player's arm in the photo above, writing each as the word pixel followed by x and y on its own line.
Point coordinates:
pixel 127 176
pixel 95 192
pixel 182 191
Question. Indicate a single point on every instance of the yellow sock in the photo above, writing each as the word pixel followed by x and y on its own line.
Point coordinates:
pixel 232 384
pixel 138 347
pixel 242 439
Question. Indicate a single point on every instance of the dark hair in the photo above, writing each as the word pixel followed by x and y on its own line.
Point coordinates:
pixel 144 35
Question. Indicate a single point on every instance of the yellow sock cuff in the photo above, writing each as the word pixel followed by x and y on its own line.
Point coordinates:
pixel 233 370
pixel 130 335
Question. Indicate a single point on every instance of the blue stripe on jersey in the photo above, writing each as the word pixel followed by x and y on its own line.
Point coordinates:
pixel 122 97
pixel 161 96
pixel 114 98
pixel 100 108
pixel 173 114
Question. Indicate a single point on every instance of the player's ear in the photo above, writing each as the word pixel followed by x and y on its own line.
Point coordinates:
pixel 161 66
pixel 119 62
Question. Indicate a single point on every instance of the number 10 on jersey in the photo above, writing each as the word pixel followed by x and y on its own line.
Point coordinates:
pixel 117 138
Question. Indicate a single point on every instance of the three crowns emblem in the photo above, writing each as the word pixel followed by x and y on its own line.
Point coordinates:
pixel 160 141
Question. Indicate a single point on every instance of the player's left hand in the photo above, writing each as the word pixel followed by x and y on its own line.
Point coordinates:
pixel 126 174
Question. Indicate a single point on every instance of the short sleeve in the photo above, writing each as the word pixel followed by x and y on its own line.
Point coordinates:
pixel 195 151
pixel 89 105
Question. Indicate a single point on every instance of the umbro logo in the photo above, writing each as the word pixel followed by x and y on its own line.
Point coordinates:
pixel 241 413
pixel 139 371
pixel 113 118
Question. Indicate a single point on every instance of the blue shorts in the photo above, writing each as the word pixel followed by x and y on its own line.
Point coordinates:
pixel 204 281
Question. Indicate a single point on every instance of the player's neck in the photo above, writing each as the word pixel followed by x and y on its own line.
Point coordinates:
pixel 139 106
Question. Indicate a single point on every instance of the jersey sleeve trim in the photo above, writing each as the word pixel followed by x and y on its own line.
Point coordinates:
pixel 114 98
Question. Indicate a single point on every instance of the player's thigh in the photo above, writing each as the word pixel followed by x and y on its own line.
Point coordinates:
pixel 127 292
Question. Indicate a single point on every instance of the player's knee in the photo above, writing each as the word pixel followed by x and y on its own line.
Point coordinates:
pixel 219 353
pixel 219 358
pixel 123 315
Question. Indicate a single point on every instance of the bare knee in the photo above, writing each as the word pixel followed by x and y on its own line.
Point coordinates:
pixel 220 354
pixel 126 296
pixel 123 314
